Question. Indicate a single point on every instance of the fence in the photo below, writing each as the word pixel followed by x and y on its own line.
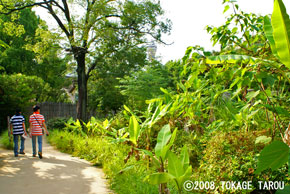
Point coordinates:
pixel 52 110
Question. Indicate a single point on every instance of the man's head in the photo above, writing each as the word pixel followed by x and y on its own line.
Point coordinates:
pixel 36 108
pixel 18 111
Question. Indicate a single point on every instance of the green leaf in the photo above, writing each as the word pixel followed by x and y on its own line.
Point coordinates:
pixel 263 140
pixel 134 129
pixel 3 44
pixel 230 59
pixel 132 113
pixel 162 139
pixel 286 190
pixel 158 178
pixel 281 31
pixel 149 154
pixel 273 156
pixel 227 7
pixel 159 112
pixel 174 165
pixel 184 157
pixel 278 109
pixel 168 146
pixel 252 95
pixel 184 177
pixel 269 34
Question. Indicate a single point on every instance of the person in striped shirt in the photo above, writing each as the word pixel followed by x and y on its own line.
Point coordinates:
pixel 18 125
pixel 37 122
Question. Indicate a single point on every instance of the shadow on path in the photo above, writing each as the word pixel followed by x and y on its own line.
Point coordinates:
pixel 56 173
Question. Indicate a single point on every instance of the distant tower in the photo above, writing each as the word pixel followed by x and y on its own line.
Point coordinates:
pixel 151 50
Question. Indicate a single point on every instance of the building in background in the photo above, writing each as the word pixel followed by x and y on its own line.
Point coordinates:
pixel 151 51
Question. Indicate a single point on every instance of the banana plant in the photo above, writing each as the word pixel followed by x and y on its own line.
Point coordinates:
pixel 277 153
pixel 178 169
pixel 281 24
pixel 135 129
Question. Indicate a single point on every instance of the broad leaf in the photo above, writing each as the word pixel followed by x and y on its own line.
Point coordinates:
pixel 174 165
pixel 162 139
pixel 281 31
pixel 273 156
pixel 134 129
pixel 286 190
pixel 230 59
pixel 168 146
pixel 269 34
pixel 158 178
pixel 184 177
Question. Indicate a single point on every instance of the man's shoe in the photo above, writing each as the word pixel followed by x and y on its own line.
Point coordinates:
pixel 40 155
pixel 21 152
pixel 34 155
pixel 16 155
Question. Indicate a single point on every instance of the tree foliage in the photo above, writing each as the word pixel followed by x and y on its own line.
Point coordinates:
pixel 98 30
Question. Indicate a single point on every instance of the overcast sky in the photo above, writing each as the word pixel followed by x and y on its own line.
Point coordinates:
pixel 190 17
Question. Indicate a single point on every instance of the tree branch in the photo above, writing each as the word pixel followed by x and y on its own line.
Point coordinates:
pixel 21 7
pixel 68 18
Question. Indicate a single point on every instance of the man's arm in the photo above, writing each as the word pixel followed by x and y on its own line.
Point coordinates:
pixel 44 125
pixel 23 125
pixel 30 127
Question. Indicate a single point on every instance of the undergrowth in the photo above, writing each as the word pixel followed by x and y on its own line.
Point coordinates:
pixel 5 141
pixel 124 178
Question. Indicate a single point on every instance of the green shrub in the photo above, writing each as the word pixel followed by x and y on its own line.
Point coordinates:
pixel 232 156
pixel 5 141
pixel 56 123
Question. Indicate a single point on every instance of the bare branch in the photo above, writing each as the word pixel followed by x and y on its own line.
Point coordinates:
pixel 59 6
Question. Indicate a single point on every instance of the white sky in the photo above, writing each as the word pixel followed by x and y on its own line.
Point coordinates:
pixel 189 19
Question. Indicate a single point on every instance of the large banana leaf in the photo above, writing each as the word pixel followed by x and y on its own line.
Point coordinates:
pixel 162 139
pixel 134 129
pixel 164 151
pixel 281 31
pixel 230 59
pixel 158 178
pixel 175 167
pixel 269 34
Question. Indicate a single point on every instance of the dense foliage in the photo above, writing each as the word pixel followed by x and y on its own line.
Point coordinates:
pixel 31 69
pixel 210 116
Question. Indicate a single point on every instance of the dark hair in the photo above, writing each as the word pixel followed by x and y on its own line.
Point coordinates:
pixel 17 111
pixel 35 108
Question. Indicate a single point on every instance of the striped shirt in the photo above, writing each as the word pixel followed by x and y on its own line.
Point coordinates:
pixel 17 123
pixel 36 120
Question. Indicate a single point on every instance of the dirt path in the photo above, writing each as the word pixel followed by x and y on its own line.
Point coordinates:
pixel 56 173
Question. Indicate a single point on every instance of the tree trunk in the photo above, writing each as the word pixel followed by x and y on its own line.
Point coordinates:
pixel 82 86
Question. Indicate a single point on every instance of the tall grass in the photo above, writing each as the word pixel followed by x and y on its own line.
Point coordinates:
pixel 123 178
